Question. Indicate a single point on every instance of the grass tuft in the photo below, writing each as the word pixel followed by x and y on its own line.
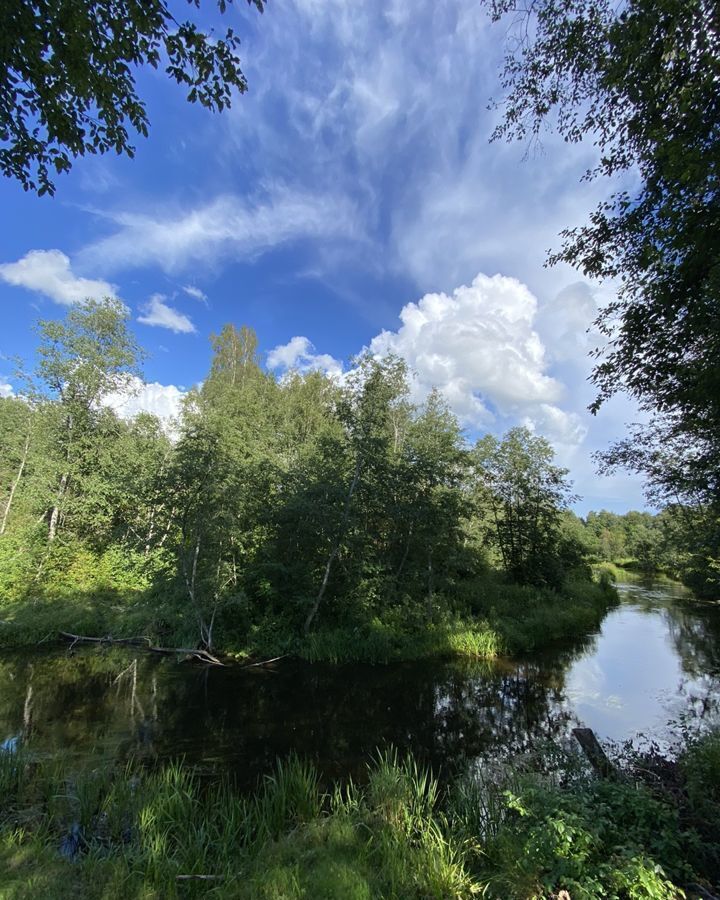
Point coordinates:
pixel 512 832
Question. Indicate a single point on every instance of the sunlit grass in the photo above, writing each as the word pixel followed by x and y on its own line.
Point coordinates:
pixel 489 618
pixel 380 642
pixel 508 832
pixel 142 834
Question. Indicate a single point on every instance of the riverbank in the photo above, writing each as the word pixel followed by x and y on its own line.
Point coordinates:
pixel 488 618
pixel 631 571
pixel 540 826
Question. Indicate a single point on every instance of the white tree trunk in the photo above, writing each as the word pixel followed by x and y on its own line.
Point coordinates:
pixel 55 514
pixel 16 482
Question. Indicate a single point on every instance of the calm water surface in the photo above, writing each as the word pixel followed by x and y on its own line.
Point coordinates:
pixel 655 659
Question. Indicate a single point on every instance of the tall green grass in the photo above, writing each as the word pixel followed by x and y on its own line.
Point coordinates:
pixel 383 642
pixel 492 617
pixel 506 832
pixel 143 833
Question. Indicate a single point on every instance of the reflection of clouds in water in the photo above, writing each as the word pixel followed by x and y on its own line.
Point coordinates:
pixel 634 680
pixel 585 681
pixel 587 687
pixel 631 678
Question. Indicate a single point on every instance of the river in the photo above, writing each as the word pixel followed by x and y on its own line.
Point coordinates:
pixel 655 659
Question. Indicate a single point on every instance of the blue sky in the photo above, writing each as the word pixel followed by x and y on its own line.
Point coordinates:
pixel 350 199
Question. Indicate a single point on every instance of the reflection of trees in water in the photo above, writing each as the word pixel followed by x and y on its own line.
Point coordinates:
pixel 516 707
pixel 124 704
pixel 700 700
pixel 337 716
pixel 59 701
pixel 650 596
pixel 694 629
pixel 695 632
pixel 505 714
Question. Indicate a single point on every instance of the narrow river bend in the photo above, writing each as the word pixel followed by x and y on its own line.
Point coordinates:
pixel 655 659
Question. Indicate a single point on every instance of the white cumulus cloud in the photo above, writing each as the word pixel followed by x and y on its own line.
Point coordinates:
pixel 299 353
pixel 6 389
pixel 479 346
pixel 566 430
pixel 157 312
pixel 162 400
pixel 48 272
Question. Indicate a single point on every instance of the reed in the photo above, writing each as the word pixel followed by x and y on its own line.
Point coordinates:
pixel 508 831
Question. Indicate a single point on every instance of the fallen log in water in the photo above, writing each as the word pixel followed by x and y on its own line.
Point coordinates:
pixel 594 752
pixel 264 662
pixel 144 643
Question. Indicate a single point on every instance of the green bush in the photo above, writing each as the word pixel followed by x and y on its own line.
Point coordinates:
pixel 123 592
pixel 401 837
pixel 594 839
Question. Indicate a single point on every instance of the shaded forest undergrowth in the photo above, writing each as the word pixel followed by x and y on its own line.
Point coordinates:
pixel 534 828
pixel 486 618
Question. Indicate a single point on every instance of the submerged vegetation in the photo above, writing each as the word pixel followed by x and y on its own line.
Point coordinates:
pixel 535 829
pixel 332 519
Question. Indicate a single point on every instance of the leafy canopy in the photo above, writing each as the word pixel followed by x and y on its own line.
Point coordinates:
pixel 89 355
pixel 518 482
pixel 640 79
pixel 68 70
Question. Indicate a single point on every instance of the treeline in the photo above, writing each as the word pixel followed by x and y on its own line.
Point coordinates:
pixel 636 537
pixel 273 503
pixel 679 542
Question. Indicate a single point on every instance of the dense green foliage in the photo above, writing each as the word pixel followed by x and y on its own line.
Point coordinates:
pixel 525 494
pixel 295 515
pixel 107 833
pixel 677 542
pixel 639 79
pixel 67 77
pixel 681 477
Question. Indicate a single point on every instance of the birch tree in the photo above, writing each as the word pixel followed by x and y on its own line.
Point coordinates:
pixel 82 359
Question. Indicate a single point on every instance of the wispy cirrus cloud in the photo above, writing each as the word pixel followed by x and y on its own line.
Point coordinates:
pixel 228 226
pixel 49 272
pixel 390 108
pixel 195 292
pixel 359 143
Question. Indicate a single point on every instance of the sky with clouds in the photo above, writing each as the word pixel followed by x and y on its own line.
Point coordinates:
pixel 351 199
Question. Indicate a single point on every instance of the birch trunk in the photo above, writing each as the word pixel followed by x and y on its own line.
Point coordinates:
pixel 16 482
pixel 55 514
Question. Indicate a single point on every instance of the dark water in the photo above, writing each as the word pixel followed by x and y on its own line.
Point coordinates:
pixel 657 657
